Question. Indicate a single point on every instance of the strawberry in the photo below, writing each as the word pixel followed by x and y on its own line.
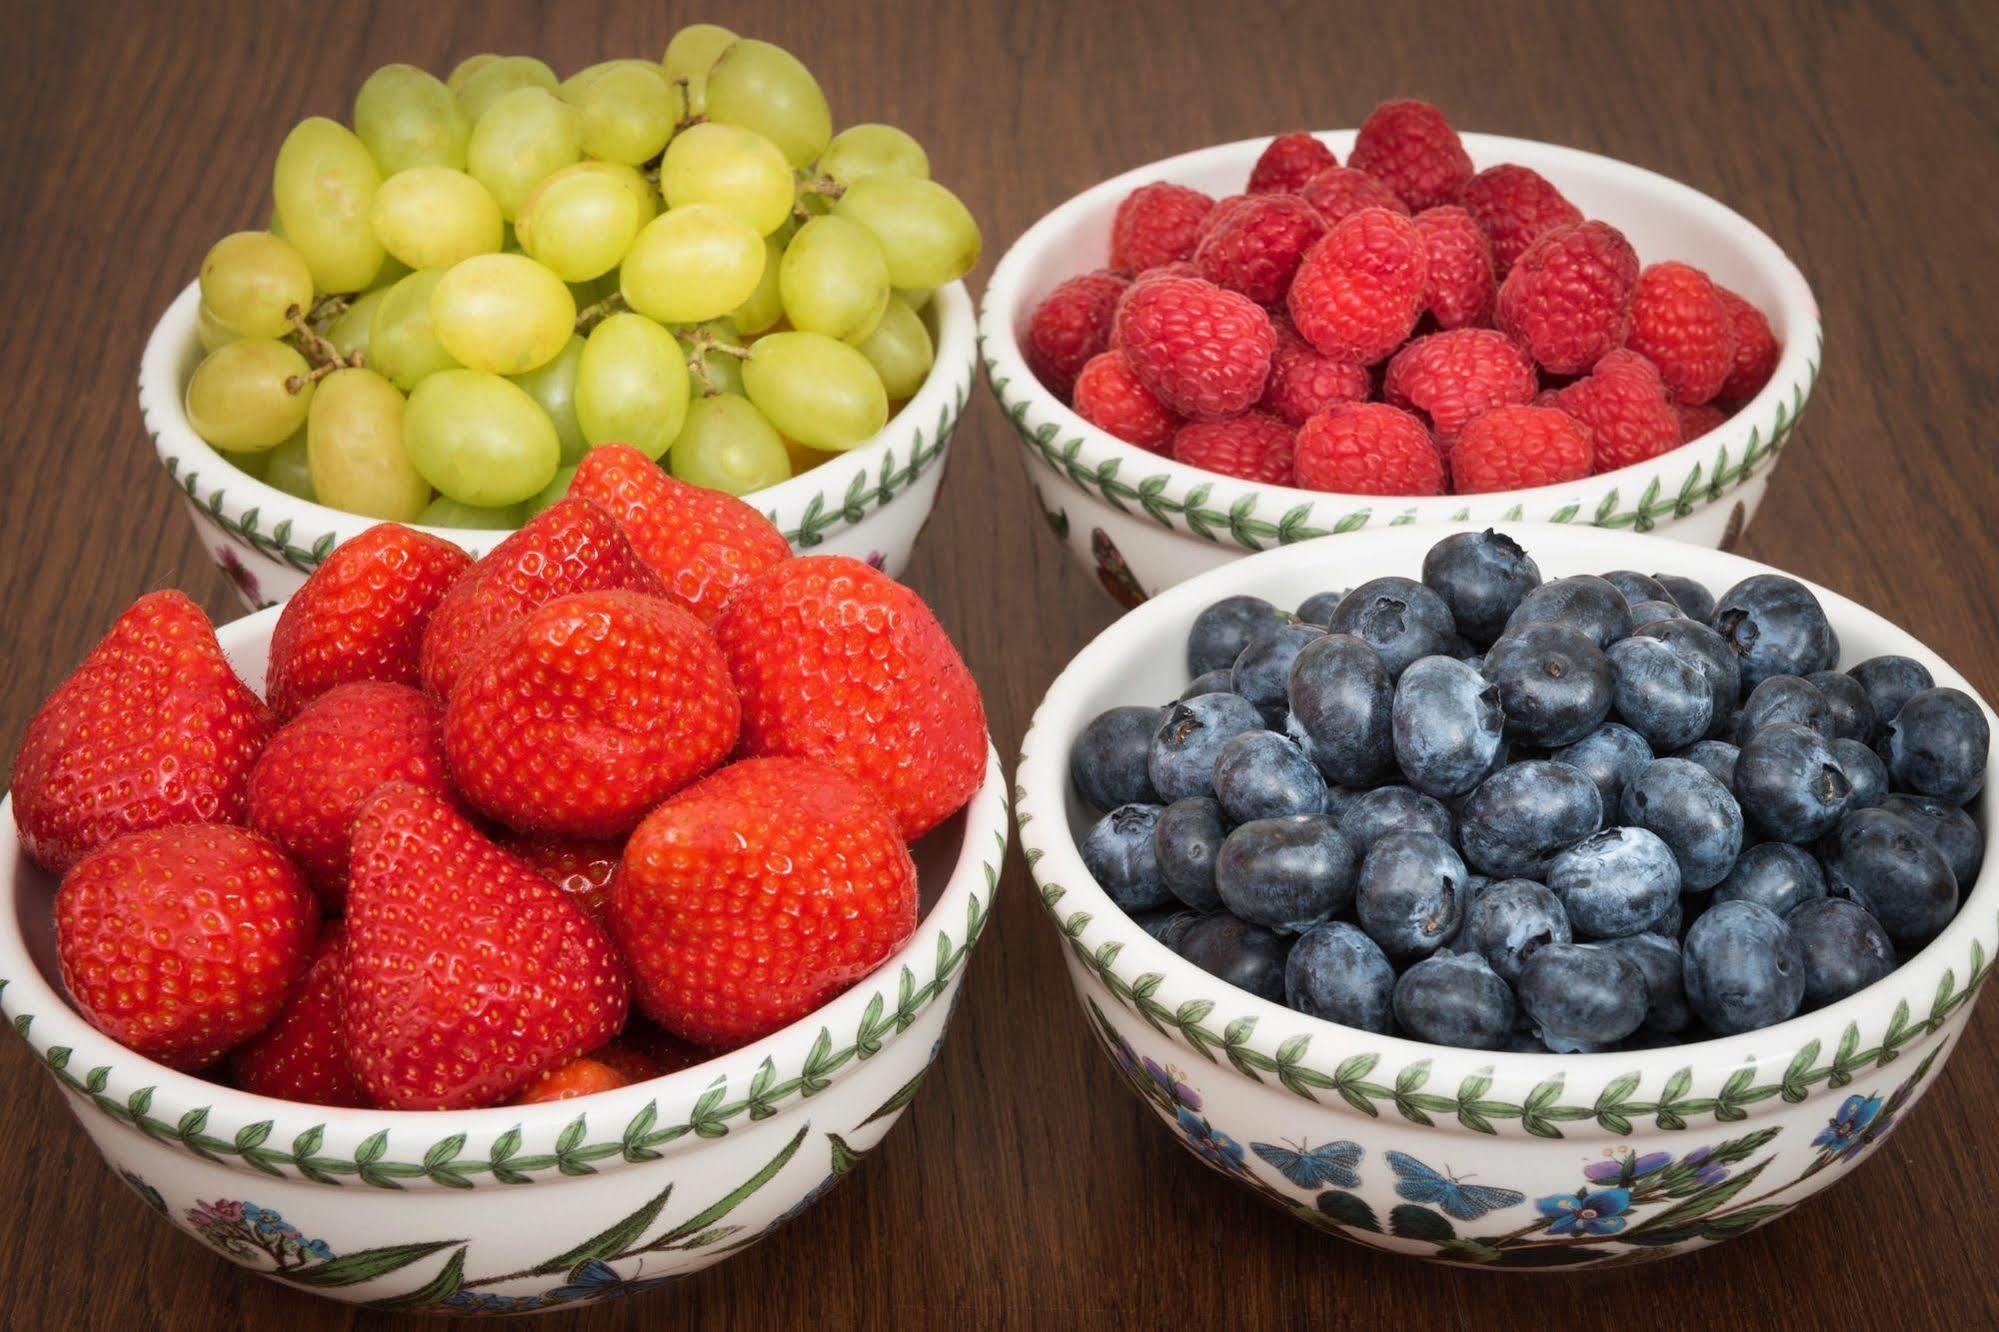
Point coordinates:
pixel 838 661
pixel 183 942
pixel 468 975
pixel 152 729
pixel 300 1057
pixel 579 1077
pixel 586 712
pixel 580 867
pixel 755 896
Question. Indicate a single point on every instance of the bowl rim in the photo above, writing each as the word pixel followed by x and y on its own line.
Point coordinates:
pixel 509 1143
pixel 1539 1091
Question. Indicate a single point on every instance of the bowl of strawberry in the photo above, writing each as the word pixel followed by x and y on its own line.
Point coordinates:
pixel 592 860
pixel 1280 339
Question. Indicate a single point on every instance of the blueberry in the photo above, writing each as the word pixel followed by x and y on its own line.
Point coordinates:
pixel 1852 712
pixel 1718 663
pixel 1845 950
pixel 1584 603
pixel 1189 740
pixel 1184 842
pixel 1694 600
pixel 1692 813
pixel 1637 587
pixel 1611 755
pixel 1212 682
pixel 1117 852
pixel 1508 921
pixel 1864 770
pixel 1337 973
pixel 1402 619
pixel 1455 999
pixel 1618 882
pixel 1319 607
pixel 1717 756
pixel 1246 956
pixel 1657 957
pixel 1108 763
pixel 1937 745
pixel 1410 893
pixel 1286 874
pixel 1168 924
pixel 1342 702
pixel 1743 970
pixel 1391 809
pixel 1340 799
pixel 1446 726
pixel 1962 844
pixel 1776 875
pixel 1777 626
pixel 1893 868
pixel 1890 682
pixel 1263 775
pixel 1582 998
pixel 1782 699
pixel 1653 612
pixel 1482 577
pixel 1223 630
pixel 1262 671
pixel 1659 693
pixel 1525 815
pixel 1673 922
pixel 1554 683
pixel 1789 785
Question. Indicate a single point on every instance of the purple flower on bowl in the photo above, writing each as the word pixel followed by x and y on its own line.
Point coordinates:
pixel 1847 1132
pixel 1176 1091
pixel 1610 1172
pixel 1584 1212
pixel 1706 1170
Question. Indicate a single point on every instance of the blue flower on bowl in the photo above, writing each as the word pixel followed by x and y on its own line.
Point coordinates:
pixel 1217 1149
pixel 1848 1133
pixel 1586 1212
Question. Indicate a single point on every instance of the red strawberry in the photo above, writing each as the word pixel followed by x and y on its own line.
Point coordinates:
pixel 702 543
pixel 1460 290
pixel 1202 350
pixel 181 943
pixel 578 866
pixel 1252 446
pixel 1680 324
pixel 603 1070
pixel 1289 161
pixel 839 662
pixel 301 1057
pixel 1568 299
pixel 468 975
pixel 1156 224
pixel 1304 381
pixel 1517 448
pixel 1071 325
pixel 1624 404
pixel 1410 147
pixel 1109 397
pixel 1449 378
pixel 1514 205
pixel 361 615
pixel 1360 290
pixel 752 898
pixel 153 728
pixel 1368 448
pixel 1756 349
pixel 587 711
pixel 1257 249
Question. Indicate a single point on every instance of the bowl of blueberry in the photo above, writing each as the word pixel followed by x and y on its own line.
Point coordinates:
pixel 1467 900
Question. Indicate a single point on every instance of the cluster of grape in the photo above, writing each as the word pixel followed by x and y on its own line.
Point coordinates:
pixel 490 274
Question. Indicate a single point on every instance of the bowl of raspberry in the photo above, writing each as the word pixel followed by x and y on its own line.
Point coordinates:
pixel 1279 339
pixel 1469 894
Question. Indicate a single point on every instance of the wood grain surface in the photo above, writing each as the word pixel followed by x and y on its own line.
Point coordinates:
pixel 1026 1187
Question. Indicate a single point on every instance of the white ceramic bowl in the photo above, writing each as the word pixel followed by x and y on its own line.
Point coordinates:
pixel 1145 522
pixel 1720 1135
pixel 517 1208
pixel 870 502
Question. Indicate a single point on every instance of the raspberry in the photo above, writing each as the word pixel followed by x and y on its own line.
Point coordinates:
pixel 1178 268
pixel 1202 351
pixel 1756 348
pixel 1679 323
pixel 1697 421
pixel 1360 290
pixel 1409 147
pixel 1339 191
pixel 1219 214
pixel 1513 205
pixel 1516 448
pixel 1069 327
pixel 1461 287
pixel 1368 448
pixel 1568 299
pixel 1257 249
pixel 1252 446
pixel 1109 397
pixel 1303 382
pixel 1448 378
pixel 1289 161
pixel 1155 225
pixel 1624 404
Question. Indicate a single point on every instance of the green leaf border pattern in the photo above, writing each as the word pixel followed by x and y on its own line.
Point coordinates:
pixel 278 543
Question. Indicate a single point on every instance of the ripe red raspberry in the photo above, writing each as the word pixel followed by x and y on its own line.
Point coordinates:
pixel 1338 192
pixel 1252 446
pixel 1623 402
pixel 1448 378
pixel 1409 147
pixel 1258 248
pixel 1461 288
pixel 1109 397
pixel 1220 213
pixel 1368 448
pixel 1303 382
pixel 1513 205
pixel 1679 323
pixel 1072 324
pixel 1697 421
pixel 1360 290
pixel 1179 268
pixel 1202 351
pixel 1756 349
pixel 1155 225
pixel 1568 300
pixel 1517 448
pixel 1289 161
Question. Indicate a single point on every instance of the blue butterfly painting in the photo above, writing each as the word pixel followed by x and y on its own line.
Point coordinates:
pixel 1466 1202
pixel 1314 1167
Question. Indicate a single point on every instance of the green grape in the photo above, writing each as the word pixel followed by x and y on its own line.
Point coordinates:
pixel 579 223
pixel 249 464
pixel 447 512
pixel 408 118
pixel 252 282
pixel 765 88
pixel 916 298
pixel 717 371
pixel 401 341
pixel 732 168
pixel 323 183
pixel 239 398
pixel 573 86
pixel 690 264
pixel 466 68
pixel 929 237
pixel 393 270
pixel 900 351
pixel 478 438
pixel 631 385
pixel 815 389
pixel 727 445
pixel 689 57
pixel 556 489
pixel 289 469
pixel 765 307
pixel 869 150
pixel 433 216
pixel 502 313
pixel 628 113
pixel 553 387
pixel 494 79
pixel 526 135
pixel 354 446
pixel 211 331
pixel 833 279
pixel 348 331
pixel 629 179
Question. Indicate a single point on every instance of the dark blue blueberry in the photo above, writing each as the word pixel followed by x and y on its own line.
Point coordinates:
pixel 1718 663
pixel 1789 785
pixel 1319 607
pixel 1286 874
pixel 1455 999
pixel 1962 844
pixel 1611 755
pixel 1937 745
pixel 1659 693
pixel 1108 763
pixel 1190 737
pixel 1337 973
pixel 1262 673
pixel 1717 756
pixel 1168 924
pixel 1692 813
pixel 1864 770
pixel 1673 922
pixel 1402 619
pixel 1410 895
pixel 1508 921
pixel 1554 682
pixel 1223 630
pixel 1263 775
pixel 1582 998
pixel 1246 956
pixel 1693 599
pixel 1657 957
pixel 1482 577
pixel 1777 627
pixel 1185 842
pixel 1584 602
pixel 1638 587
pixel 1852 713
pixel 1780 700
pixel 1342 703
pixel 1653 612
pixel 1845 950
pixel 1890 682
pixel 1117 852
pixel 1340 799
pixel 1525 815
pixel 1213 682
pixel 1618 882
pixel 1392 809
pixel 1776 875
pixel 1894 869
pixel 1447 726
pixel 1742 968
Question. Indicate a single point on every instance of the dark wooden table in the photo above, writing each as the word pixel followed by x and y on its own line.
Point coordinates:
pixel 1026 1186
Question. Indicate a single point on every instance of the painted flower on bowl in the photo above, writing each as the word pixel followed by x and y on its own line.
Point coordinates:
pixel 1216 1148
pixel 1586 1212
pixel 1851 1129
pixel 1627 1168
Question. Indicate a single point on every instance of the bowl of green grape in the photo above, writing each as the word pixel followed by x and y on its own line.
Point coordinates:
pixel 473 280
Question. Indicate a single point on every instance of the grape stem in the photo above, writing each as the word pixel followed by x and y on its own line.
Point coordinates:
pixel 692 118
pixel 592 315
pixel 327 307
pixel 325 357
pixel 699 343
pixel 824 186
pixel 295 384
